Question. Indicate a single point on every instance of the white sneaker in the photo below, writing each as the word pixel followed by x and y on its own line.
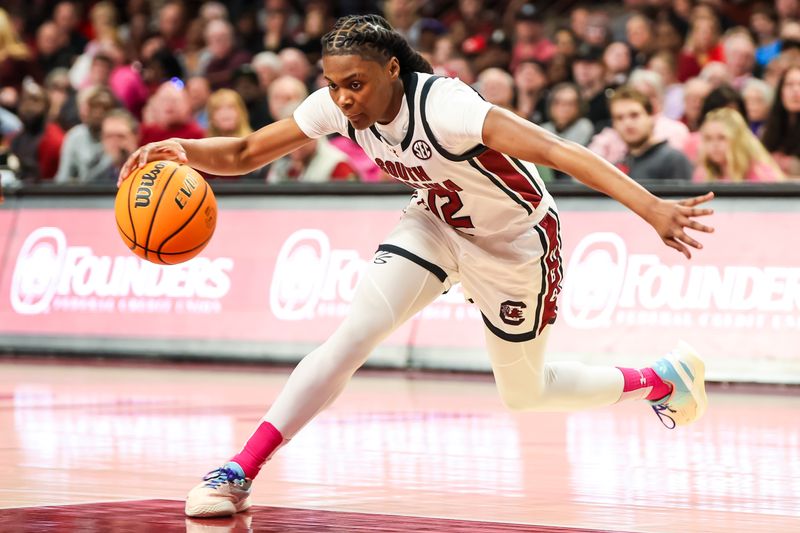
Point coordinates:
pixel 687 402
pixel 223 492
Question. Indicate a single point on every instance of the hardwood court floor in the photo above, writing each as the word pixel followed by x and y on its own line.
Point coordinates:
pixel 394 453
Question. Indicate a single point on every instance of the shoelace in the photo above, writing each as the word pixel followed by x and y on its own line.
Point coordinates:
pixel 662 416
pixel 222 475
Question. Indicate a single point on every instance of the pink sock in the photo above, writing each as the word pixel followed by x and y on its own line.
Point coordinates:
pixel 259 447
pixel 643 384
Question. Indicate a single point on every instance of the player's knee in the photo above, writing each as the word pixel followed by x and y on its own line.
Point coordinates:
pixel 518 398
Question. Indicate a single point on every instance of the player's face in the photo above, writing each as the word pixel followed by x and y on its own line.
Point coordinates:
pixel 361 88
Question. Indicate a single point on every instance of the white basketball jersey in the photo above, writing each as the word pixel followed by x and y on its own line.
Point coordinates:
pixel 480 192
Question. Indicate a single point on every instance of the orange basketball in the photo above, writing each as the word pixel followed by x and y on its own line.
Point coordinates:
pixel 166 212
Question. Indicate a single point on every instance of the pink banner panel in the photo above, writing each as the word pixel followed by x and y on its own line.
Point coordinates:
pixel 289 276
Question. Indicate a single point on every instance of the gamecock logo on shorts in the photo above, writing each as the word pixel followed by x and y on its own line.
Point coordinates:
pixel 512 312
pixel 421 149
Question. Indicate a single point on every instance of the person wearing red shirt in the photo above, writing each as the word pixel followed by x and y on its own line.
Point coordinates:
pixel 168 114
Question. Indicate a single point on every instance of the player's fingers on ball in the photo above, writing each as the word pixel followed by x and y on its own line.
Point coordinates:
pixel 143 154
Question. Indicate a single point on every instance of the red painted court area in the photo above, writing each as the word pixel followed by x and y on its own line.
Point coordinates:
pixel 166 516
pixel 116 447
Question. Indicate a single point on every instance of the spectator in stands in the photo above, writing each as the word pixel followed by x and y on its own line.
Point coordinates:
pixel 612 147
pixel 778 66
pixel 267 66
pixel 172 24
pixel 276 30
pixel 740 56
pixel 103 16
pixel 647 158
pixel 315 24
pixel 227 115
pixel 530 85
pixel 198 90
pixel 225 56
pixel 82 151
pixel 764 25
pixel 720 97
pixel 530 41
pixel 120 137
pixel 285 93
pixel 782 132
pixel 668 37
pixel 640 36
pixel 169 114
pixel 787 9
pixel 695 92
pixel 566 42
pixel 470 23
pixel 250 35
pixel 588 72
pixel 730 152
pixel 38 145
pixel 51 48
pixel 617 61
pixel 702 47
pixel 194 56
pixel 16 59
pixel 598 33
pixel 67 18
pixel 245 82
pixel 758 96
pixel 664 64
pixel 295 63
pixel 559 69
pixel 63 99
pixel 566 111
pixel 159 67
pixel 497 87
pixel 315 162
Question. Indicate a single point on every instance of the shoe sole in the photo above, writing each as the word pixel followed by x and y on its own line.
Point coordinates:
pixel 222 508
pixel 697 386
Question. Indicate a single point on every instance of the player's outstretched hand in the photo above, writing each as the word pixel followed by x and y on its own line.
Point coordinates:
pixel 670 218
pixel 170 150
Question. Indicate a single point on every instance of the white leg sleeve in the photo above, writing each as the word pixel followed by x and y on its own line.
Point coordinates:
pixel 389 294
pixel 526 382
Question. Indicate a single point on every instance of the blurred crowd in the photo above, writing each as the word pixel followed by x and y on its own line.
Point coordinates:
pixel 695 90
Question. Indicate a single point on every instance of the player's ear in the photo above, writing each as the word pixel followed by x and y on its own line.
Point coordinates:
pixel 393 68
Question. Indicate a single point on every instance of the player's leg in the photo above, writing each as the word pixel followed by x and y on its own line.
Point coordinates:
pixel 526 382
pixel 397 285
pixel 674 384
pixel 516 288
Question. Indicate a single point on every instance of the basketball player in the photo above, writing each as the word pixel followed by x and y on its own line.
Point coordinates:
pixel 480 216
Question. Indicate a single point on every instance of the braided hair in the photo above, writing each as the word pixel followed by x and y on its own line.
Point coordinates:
pixel 372 38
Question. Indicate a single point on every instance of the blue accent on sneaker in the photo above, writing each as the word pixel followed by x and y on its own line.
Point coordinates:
pixel 685 372
pixel 231 472
pixel 688 370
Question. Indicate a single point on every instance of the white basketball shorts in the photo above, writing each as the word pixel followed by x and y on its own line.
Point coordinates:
pixel 514 280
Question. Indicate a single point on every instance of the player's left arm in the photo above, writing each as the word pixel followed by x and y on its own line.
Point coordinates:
pixel 512 135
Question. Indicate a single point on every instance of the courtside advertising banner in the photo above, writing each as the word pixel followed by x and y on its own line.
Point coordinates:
pixel 288 276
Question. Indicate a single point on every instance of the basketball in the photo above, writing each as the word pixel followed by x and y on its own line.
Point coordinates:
pixel 166 212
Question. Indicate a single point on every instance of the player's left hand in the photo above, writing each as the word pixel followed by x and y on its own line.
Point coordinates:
pixel 670 218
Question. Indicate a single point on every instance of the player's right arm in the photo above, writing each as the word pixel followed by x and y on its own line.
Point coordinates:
pixel 223 156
